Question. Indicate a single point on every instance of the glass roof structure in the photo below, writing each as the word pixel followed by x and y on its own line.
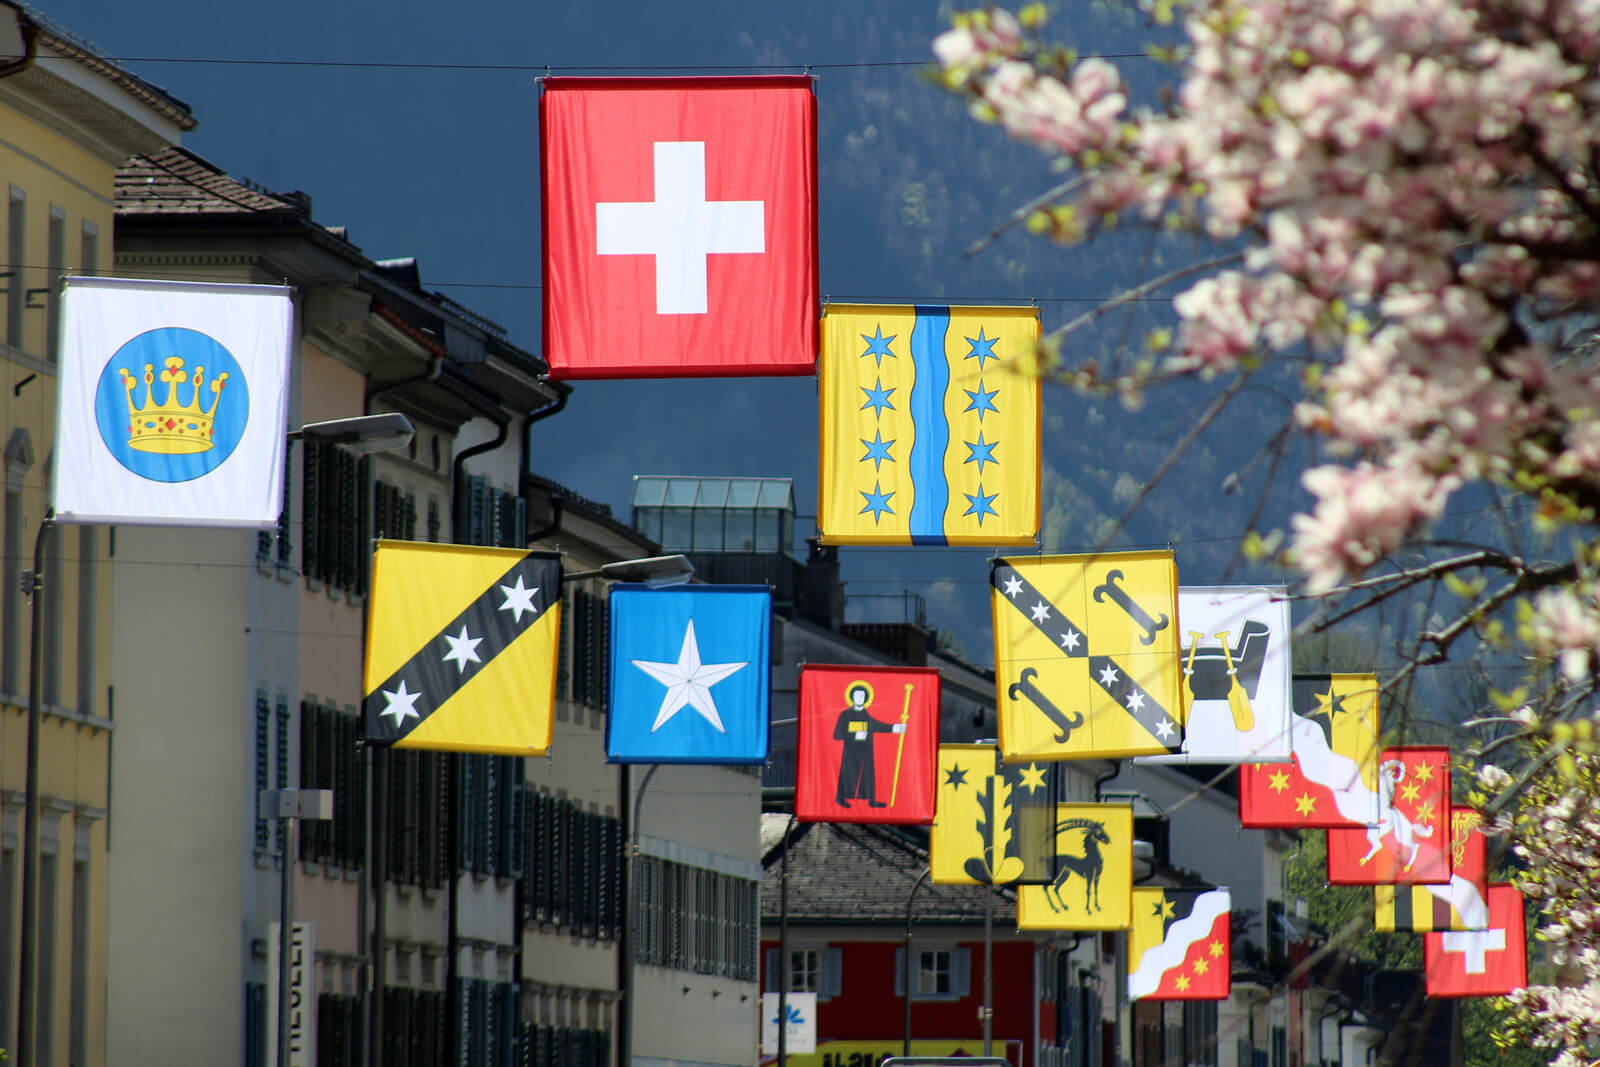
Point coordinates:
pixel 689 514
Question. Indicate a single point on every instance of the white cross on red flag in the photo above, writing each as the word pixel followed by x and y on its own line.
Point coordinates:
pixel 1481 963
pixel 680 226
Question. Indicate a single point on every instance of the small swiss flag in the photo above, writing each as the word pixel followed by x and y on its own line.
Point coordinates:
pixel 680 226
pixel 1480 963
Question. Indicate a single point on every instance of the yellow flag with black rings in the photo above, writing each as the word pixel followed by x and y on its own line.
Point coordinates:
pixel 461 648
pixel 1093 886
pixel 930 424
pixel 1086 655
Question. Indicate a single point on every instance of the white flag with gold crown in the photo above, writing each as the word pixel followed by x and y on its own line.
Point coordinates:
pixel 172 401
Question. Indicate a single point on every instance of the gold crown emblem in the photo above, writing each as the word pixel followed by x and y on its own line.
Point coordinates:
pixel 171 427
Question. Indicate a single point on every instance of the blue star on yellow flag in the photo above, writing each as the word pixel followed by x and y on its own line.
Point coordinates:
pixel 930 425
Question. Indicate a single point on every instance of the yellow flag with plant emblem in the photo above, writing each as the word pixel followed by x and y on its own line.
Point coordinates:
pixel 1086 655
pixel 1093 886
pixel 461 648
pixel 992 825
pixel 930 425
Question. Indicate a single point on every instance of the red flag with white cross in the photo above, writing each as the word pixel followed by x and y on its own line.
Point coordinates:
pixel 680 226
pixel 1480 963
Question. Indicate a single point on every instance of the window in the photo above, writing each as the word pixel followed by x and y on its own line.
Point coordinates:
pixel 679 923
pixel 334 509
pixel 588 650
pixel 942 973
pixel 491 516
pixel 811 970
pixel 55 270
pixel 1200 1033
pixel 339 1030
pixel 8 940
pixel 16 260
pixel 492 829
pixel 330 759
pixel 263 768
pixel 418 808
pixel 574 867
pixel 51 591
pixel 88 546
pixel 564 1046
pixel 11 595
pixel 89 249
pixel 394 512
pixel 80 947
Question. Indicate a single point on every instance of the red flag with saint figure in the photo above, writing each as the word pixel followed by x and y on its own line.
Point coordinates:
pixel 868 744
pixel 680 226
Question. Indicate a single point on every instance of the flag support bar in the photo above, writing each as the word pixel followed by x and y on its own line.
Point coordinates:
pixel 33 586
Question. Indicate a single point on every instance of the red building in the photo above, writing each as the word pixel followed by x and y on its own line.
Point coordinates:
pixel 844 911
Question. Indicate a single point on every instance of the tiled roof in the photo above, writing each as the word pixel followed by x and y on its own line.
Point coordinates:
pixel 174 181
pixel 857 873
pixel 76 48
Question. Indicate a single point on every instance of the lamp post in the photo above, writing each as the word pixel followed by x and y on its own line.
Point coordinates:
pixel 909 971
pixel 657 572
pixel 290 805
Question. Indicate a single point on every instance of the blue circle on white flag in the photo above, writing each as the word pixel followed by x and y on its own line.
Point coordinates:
pixel 172 404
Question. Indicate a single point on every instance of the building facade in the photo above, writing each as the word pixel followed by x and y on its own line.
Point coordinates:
pixel 67 122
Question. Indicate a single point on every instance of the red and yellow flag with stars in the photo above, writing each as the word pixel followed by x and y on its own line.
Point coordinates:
pixel 1332 776
pixel 1178 946
pixel 1411 843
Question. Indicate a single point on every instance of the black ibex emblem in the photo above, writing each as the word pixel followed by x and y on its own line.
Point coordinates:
pixel 1126 603
pixel 1087 866
pixel 1024 687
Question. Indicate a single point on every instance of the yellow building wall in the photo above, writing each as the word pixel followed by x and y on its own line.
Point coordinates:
pixel 52 172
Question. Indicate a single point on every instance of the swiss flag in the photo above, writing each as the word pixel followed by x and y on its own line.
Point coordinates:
pixel 680 226
pixel 1480 963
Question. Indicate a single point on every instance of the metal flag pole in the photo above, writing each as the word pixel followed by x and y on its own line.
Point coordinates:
pixel 33 586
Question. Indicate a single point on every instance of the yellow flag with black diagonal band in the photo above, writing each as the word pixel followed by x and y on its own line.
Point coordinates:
pixel 461 648
pixel 1086 655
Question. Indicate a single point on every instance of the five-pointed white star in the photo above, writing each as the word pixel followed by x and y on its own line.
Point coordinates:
pixel 1039 612
pixel 463 650
pixel 688 682
pixel 401 704
pixel 1013 586
pixel 1163 729
pixel 518 599
pixel 1135 701
pixel 1108 675
pixel 1069 640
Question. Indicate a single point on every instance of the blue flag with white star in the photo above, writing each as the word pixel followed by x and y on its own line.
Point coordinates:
pixel 689 674
pixel 930 425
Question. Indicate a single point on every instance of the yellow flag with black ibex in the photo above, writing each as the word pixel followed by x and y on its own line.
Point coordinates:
pixel 1086 655
pixel 1093 886
pixel 461 648
pixel 994 821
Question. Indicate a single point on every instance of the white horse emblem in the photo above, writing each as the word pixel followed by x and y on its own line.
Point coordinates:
pixel 1391 819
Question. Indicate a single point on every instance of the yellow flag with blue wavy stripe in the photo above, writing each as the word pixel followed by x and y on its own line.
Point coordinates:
pixel 930 425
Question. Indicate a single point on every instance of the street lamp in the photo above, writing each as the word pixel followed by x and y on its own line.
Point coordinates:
pixel 657 572
pixel 359 433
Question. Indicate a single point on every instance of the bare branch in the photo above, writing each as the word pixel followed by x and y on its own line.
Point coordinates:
pixel 1046 197
pixel 1139 292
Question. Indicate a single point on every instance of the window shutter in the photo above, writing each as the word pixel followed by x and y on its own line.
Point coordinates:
pixel 900 971
pixel 382 516
pixel 263 770
pixel 832 970
pixel 308 768
pixel 541 858
pixel 771 984
pixel 602 656
pixel 311 508
pixel 961 971
pixel 516 833
pixel 466 782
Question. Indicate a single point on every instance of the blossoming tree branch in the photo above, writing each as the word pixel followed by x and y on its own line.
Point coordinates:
pixel 1405 196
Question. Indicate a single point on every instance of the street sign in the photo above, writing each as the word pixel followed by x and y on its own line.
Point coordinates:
pixel 802 1032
